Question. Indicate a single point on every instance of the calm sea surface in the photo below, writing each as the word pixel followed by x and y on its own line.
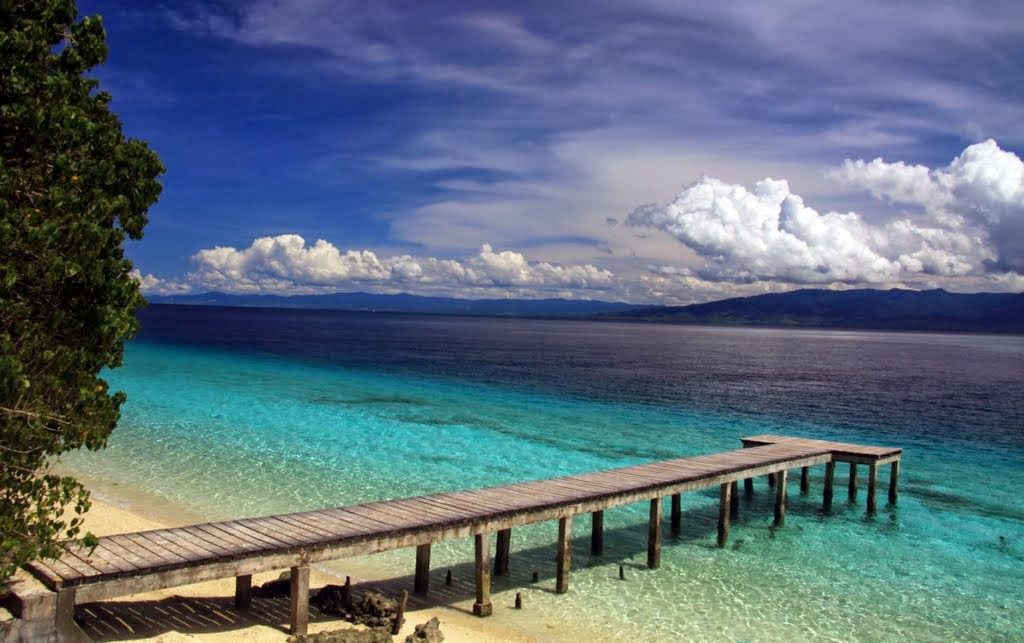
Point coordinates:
pixel 246 412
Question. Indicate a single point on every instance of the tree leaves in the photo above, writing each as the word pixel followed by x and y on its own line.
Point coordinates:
pixel 72 187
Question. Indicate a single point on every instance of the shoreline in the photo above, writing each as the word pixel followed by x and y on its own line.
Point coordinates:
pixel 139 615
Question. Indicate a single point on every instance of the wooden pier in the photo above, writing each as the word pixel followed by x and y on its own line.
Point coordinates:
pixel 139 562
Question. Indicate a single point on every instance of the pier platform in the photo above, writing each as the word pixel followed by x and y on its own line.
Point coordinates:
pixel 139 562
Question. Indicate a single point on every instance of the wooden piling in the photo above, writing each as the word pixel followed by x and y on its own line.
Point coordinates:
pixel 748 487
pixel 243 591
pixel 482 607
pixel 852 487
pixel 725 492
pixel 830 474
pixel 66 628
pixel 396 625
pixel 771 480
pixel 519 600
pixel 872 481
pixel 805 480
pixel 654 535
pixel 448 578
pixel 299 587
pixel 894 479
pixel 677 514
pixel 780 497
pixel 501 553
pixel 597 533
pixel 564 561
pixel 421 584
pixel 734 501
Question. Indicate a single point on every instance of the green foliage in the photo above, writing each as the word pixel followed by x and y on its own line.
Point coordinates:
pixel 72 187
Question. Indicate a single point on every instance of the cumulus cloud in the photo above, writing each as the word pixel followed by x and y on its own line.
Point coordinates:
pixel 983 187
pixel 969 221
pixel 286 264
pixel 154 285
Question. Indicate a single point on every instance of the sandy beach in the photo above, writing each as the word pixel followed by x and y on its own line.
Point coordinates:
pixel 204 611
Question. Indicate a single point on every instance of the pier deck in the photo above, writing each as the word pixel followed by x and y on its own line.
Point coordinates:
pixel 145 561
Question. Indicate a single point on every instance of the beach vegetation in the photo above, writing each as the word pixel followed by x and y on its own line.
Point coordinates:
pixel 73 189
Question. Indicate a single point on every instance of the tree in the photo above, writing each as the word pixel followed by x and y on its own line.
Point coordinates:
pixel 72 187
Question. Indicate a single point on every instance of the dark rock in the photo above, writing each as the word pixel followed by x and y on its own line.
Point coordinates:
pixel 375 610
pixel 274 588
pixel 332 599
pixel 430 632
pixel 369 635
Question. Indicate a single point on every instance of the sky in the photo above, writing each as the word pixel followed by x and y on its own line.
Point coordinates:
pixel 656 151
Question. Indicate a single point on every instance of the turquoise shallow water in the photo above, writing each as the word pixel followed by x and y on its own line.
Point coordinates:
pixel 229 420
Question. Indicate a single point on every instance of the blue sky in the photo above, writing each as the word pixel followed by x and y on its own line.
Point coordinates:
pixel 608 150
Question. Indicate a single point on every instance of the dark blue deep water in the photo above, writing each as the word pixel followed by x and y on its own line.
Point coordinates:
pixel 251 411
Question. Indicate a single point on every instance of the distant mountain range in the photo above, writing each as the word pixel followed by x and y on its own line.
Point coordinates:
pixel 865 308
pixel 405 303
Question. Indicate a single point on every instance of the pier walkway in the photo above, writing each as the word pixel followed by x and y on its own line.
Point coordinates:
pixel 138 562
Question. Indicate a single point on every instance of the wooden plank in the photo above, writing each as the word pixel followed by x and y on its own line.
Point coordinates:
pixel 148 551
pixel 234 539
pixel 126 554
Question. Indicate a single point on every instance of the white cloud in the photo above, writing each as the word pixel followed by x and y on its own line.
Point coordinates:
pixel 285 264
pixel 154 285
pixel 984 187
pixel 969 222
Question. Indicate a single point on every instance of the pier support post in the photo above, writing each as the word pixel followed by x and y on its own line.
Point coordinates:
pixel 748 487
pixel 300 600
pixel 243 591
pixel 894 479
pixel 830 475
pixel 677 514
pixel 780 497
pixel 502 551
pixel 853 482
pixel 771 480
pixel 597 533
pixel 654 535
pixel 421 584
pixel 66 628
pixel 725 494
pixel 564 556
pixel 482 607
pixel 734 500
pixel 805 480
pixel 872 481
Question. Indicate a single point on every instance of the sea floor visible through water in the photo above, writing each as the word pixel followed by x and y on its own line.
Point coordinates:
pixel 271 412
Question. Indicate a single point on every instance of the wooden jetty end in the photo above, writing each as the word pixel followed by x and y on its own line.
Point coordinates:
pixel 854 454
pixel 133 563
